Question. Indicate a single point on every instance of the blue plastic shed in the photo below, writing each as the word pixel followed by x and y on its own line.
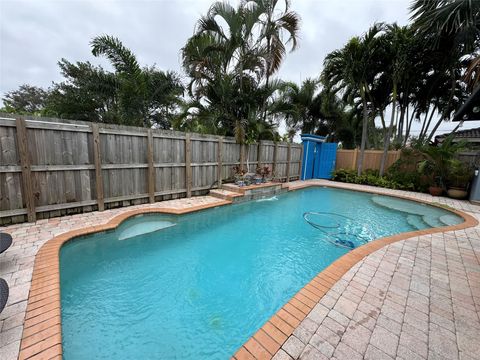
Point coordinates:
pixel 319 157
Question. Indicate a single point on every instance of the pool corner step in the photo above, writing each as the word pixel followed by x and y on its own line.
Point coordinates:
pixel 225 194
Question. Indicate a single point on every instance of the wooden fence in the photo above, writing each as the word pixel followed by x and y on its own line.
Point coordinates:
pixel 52 167
pixel 347 159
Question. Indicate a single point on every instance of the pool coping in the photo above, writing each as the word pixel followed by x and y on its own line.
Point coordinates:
pixel 41 337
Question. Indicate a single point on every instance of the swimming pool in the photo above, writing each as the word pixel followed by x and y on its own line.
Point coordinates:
pixel 199 285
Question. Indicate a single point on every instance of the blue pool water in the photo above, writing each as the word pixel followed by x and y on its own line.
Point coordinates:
pixel 198 286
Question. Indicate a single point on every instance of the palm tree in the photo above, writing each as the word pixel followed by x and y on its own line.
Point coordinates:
pixel 274 25
pixel 351 69
pixel 397 41
pixel 230 60
pixel 452 28
pixel 300 106
pixel 448 22
pixel 225 65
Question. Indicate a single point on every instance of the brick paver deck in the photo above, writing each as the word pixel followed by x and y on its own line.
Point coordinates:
pixel 418 298
pixel 16 264
pixel 415 298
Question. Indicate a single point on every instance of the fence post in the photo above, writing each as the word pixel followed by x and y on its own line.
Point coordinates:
pixel 219 162
pixel 26 170
pixel 98 166
pixel 300 163
pixel 242 156
pixel 151 168
pixel 259 154
pixel 188 166
pixel 274 165
pixel 354 159
pixel 289 158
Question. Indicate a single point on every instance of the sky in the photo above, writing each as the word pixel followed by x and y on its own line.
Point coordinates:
pixel 36 34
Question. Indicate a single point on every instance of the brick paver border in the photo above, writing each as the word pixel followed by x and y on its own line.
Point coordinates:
pixel 270 337
pixel 41 338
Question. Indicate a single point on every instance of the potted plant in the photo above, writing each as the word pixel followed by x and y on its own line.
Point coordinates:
pixel 430 171
pixel 437 163
pixel 459 178
pixel 239 174
pixel 263 172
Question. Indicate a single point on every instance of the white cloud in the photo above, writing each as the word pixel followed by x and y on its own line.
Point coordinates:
pixel 35 34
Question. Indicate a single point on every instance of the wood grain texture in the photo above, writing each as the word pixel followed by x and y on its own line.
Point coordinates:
pixel 219 163
pixel 26 172
pixel 74 166
pixel 188 167
pixel 151 169
pixel 98 167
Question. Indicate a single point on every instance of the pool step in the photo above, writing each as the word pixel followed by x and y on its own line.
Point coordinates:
pixel 449 219
pixel 234 193
pixel 417 222
pixel 225 194
pixel 432 221
pixel 252 189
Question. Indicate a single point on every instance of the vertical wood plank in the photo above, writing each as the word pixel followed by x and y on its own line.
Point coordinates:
pixel 259 154
pixel 188 167
pixel 151 169
pixel 242 155
pixel 219 162
pixel 98 167
pixel 354 159
pixel 274 165
pixel 301 163
pixel 26 170
pixel 289 159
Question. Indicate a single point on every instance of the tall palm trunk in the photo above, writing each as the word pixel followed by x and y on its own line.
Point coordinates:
pixel 364 131
pixel 439 122
pixel 409 125
pixel 423 133
pixel 386 139
pixel 267 78
pixel 401 123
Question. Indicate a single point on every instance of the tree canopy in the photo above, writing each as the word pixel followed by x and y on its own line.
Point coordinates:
pixel 370 93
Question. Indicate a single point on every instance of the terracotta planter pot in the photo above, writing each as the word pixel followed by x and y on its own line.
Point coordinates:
pixel 435 190
pixel 457 193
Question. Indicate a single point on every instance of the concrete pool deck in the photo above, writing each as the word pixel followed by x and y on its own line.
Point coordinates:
pixel 411 298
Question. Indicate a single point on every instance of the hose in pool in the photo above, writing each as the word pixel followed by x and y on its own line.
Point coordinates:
pixel 340 237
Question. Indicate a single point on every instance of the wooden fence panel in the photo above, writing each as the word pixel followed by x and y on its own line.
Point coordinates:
pixel 251 152
pixel 169 164
pixel 204 163
pixel 281 163
pixel 124 166
pixel 471 158
pixel 10 181
pixel 231 157
pixel 79 166
pixel 296 162
pixel 62 167
pixel 268 149
pixel 347 159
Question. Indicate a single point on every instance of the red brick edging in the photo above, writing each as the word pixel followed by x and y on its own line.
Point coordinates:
pixel 41 338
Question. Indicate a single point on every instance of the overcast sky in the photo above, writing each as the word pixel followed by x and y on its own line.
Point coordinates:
pixel 35 34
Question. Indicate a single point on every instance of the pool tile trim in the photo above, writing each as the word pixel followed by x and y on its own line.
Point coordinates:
pixel 41 337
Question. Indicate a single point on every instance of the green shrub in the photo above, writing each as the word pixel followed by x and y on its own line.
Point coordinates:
pixel 371 177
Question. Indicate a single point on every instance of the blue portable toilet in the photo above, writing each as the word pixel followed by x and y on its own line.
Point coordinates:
pixel 318 161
